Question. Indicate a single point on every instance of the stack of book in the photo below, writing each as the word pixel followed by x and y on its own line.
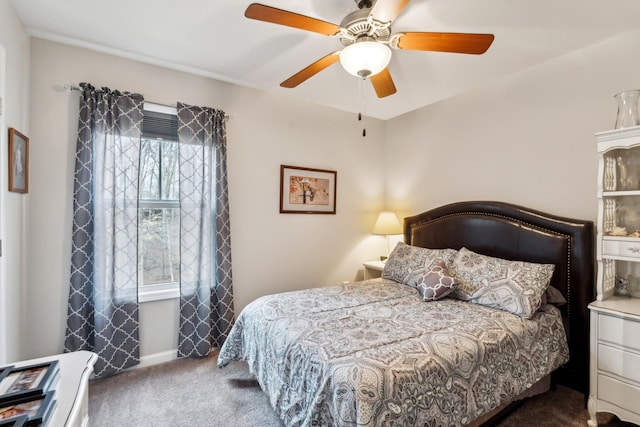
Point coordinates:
pixel 27 394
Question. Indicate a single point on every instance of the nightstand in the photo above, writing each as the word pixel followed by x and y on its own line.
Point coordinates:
pixel 373 269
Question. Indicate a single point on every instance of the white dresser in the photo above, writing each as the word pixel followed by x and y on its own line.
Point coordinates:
pixel 72 389
pixel 614 373
pixel 615 359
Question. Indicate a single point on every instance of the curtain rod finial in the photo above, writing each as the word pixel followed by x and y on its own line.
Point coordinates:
pixel 71 87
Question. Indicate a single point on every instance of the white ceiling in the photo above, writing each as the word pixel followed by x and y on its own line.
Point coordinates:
pixel 213 38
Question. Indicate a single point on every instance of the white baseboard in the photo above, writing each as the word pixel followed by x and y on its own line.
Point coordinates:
pixel 157 358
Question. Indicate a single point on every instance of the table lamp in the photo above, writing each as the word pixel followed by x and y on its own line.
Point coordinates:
pixel 387 225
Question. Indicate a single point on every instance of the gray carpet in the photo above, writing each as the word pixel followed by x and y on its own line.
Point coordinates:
pixel 194 392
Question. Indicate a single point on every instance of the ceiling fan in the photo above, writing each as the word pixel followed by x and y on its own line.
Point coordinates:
pixel 367 40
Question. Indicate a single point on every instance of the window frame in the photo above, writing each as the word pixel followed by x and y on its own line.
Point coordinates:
pixel 169 290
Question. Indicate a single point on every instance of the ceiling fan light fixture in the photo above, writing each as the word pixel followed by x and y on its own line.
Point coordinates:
pixel 365 58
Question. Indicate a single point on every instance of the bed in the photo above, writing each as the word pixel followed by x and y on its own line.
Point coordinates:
pixel 388 352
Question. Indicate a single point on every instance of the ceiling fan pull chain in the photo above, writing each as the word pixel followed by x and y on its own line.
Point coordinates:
pixel 363 101
pixel 364 131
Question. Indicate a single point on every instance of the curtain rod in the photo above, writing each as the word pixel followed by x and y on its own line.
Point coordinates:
pixel 72 88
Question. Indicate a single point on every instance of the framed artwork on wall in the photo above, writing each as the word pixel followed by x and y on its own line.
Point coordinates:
pixel 18 162
pixel 307 190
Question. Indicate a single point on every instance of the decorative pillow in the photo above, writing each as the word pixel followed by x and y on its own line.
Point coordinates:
pixel 553 296
pixel 436 283
pixel 513 286
pixel 406 263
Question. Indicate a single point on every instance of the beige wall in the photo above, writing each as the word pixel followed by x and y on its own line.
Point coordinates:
pixel 271 252
pixel 528 139
pixel 14 307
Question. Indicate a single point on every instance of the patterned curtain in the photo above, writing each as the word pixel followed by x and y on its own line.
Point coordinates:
pixel 103 298
pixel 206 292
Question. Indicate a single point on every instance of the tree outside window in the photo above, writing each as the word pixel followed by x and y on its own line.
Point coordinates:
pixel 158 213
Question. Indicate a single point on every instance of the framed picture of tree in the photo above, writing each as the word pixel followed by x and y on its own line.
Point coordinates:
pixel 307 190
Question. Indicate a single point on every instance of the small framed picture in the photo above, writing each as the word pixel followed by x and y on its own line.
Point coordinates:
pixel 26 381
pixel 18 162
pixel 36 409
pixel 15 421
pixel 307 190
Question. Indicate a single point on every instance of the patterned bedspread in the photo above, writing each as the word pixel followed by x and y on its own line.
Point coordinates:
pixel 374 354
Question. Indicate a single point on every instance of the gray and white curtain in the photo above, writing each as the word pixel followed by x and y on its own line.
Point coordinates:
pixel 103 306
pixel 206 294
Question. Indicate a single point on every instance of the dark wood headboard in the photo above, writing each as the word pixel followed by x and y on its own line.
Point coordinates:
pixel 514 232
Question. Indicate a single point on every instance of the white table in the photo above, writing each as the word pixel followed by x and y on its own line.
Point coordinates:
pixel 72 389
pixel 373 269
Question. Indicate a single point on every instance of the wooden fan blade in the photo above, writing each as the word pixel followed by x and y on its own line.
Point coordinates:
pixel 270 14
pixel 387 10
pixel 383 83
pixel 311 70
pixel 475 44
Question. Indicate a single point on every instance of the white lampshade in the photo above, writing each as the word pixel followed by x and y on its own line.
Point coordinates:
pixel 365 58
pixel 387 224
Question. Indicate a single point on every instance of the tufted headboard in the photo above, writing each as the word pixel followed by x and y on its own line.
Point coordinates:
pixel 514 232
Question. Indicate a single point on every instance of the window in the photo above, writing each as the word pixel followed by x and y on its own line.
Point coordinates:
pixel 158 206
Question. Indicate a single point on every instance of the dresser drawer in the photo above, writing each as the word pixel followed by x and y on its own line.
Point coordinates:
pixel 616 361
pixel 619 331
pixel 621 248
pixel 619 393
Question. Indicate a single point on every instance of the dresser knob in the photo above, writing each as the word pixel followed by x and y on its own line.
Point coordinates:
pixel 635 249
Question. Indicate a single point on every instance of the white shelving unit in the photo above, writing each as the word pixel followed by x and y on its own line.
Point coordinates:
pixel 614 383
